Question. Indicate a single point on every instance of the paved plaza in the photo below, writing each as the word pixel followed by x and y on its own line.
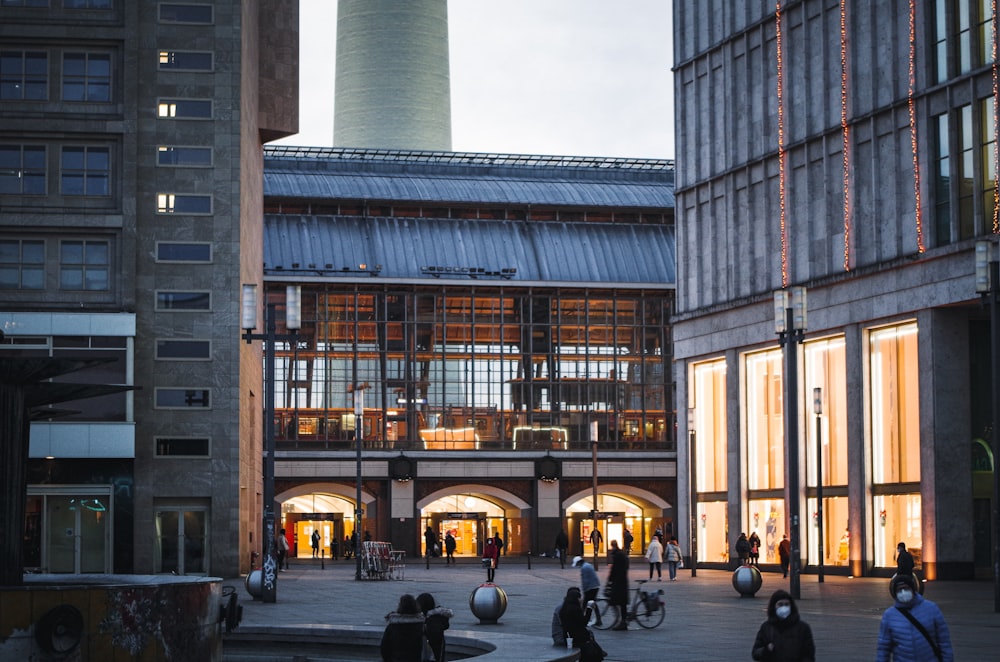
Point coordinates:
pixel 707 620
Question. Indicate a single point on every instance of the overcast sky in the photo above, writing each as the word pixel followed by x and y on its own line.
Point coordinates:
pixel 553 77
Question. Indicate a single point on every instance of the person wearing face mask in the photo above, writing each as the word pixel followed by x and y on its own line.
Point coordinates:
pixel 784 636
pixel 913 629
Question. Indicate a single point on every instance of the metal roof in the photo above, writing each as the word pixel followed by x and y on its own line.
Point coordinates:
pixel 469 251
pixel 472 178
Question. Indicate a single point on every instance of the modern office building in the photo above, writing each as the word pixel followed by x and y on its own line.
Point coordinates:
pixel 848 149
pixel 131 196
pixel 484 347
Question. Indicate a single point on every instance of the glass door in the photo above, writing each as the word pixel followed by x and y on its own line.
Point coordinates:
pixel 180 538
pixel 77 534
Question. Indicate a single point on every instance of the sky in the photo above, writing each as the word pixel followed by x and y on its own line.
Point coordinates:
pixel 544 77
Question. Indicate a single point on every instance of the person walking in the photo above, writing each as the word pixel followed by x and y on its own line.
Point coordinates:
pixel 743 549
pixel 654 554
pixel 562 546
pixel 913 629
pixel 449 547
pixel 784 636
pixel 430 542
pixel 673 557
pixel 490 555
pixel 784 554
pixel 282 550
pixel 315 543
pixel 754 541
pixel 596 538
pixel 904 560
pixel 628 539
pixel 436 621
pixel 618 579
pixel 403 637
pixel 590 585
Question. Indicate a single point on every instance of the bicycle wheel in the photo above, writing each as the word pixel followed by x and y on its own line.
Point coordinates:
pixel 604 616
pixel 651 615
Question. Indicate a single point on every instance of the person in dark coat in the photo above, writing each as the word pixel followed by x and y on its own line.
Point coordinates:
pixel 449 547
pixel 618 581
pixel 562 546
pixel 784 636
pixel 436 621
pixel 430 542
pixel 754 541
pixel 904 560
pixel 403 638
pixel 743 549
pixel 901 640
pixel 574 623
pixel 784 554
pixel 491 555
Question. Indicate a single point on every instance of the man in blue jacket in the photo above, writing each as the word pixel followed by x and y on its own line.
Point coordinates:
pixel 913 629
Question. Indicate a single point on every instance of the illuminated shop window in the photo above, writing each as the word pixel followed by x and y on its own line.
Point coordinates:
pixel 713 524
pixel 766 518
pixel 709 387
pixel 897 519
pixel 825 369
pixel 836 538
pixel 895 408
pixel 765 424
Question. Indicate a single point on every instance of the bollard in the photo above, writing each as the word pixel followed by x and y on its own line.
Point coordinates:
pixel 529 559
pixel 488 602
pixel 747 580
pixel 322 559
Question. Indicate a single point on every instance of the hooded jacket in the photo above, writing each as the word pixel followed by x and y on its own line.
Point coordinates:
pixel 900 640
pixel 403 638
pixel 437 621
pixel 792 637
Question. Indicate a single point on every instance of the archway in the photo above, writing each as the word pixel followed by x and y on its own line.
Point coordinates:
pixel 328 509
pixel 622 508
pixel 471 513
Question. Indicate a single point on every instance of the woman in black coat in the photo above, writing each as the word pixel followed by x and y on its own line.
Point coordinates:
pixel 436 621
pixel 403 638
pixel 784 637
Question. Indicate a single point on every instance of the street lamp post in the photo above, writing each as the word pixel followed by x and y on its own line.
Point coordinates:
pixel 818 410
pixel 790 325
pixel 693 490
pixel 592 426
pixel 988 285
pixel 293 321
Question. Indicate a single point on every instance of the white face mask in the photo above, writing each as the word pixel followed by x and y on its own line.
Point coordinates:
pixel 904 595
pixel 783 611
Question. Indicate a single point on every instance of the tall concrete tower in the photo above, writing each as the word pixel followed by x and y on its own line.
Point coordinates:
pixel 392 86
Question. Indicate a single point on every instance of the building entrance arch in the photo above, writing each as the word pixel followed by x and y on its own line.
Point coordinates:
pixel 620 508
pixel 326 508
pixel 472 513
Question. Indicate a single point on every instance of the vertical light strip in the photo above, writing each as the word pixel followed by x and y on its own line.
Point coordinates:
pixel 918 215
pixel 845 131
pixel 996 126
pixel 781 148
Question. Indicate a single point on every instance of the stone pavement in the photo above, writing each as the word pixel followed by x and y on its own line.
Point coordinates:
pixel 707 620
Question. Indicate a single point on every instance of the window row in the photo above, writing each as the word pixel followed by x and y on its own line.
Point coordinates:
pixel 85 76
pixel 83 170
pixel 82 265
pixel 101 5
pixel 169 12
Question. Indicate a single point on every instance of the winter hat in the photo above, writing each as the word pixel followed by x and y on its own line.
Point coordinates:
pixel 899 581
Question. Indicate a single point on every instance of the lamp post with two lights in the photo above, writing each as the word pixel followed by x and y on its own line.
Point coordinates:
pixel 270 337
pixel 790 325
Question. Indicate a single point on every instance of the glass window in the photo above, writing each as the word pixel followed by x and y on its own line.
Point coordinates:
pixel 895 405
pixel 825 368
pixel 942 180
pixel 24 76
pixel 181 534
pixel 183 156
pixel 22 169
pixel 182 446
pixel 897 519
pixel 186 60
pixel 184 349
pixel 184 109
pixel 709 389
pixel 180 398
pixel 765 421
pixel 84 265
pixel 987 158
pixel 86 77
pixel 22 264
pixel 24 3
pixel 174 12
pixel 86 171
pixel 767 520
pixel 183 300
pixel 177 203
pixel 88 4
pixel 170 251
pixel 836 537
pixel 966 174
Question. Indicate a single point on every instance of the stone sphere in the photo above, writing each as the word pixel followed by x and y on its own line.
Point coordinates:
pixel 747 580
pixel 488 602
pixel 254 584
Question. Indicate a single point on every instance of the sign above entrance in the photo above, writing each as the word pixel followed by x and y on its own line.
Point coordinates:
pixel 462 516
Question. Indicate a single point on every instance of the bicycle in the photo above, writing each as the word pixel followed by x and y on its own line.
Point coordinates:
pixel 646 608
